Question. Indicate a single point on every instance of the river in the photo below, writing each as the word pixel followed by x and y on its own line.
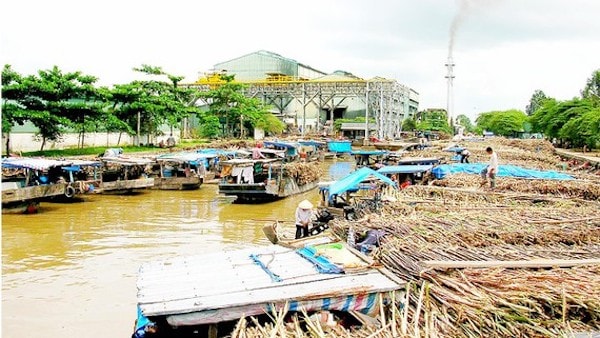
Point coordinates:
pixel 70 270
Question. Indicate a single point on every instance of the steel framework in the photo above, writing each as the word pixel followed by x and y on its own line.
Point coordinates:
pixel 385 100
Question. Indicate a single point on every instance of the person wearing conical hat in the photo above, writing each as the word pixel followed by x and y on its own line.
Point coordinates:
pixel 304 214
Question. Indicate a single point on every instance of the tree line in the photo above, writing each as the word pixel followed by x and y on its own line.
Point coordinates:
pixel 57 102
pixel 570 123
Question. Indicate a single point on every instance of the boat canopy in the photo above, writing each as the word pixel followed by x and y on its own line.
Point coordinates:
pixel 218 152
pixel 127 161
pixel 186 157
pixel 352 181
pixel 404 169
pixel 369 152
pixel 33 163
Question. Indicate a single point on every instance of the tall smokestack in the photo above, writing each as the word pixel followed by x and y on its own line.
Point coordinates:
pixel 450 93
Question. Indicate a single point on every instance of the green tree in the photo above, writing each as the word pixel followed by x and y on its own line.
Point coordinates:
pixel 408 124
pixel 12 111
pixel 236 111
pixel 591 91
pixel 464 121
pixel 147 105
pixel 536 101
pixel 434 119
pixel 53 101
pixel 504 123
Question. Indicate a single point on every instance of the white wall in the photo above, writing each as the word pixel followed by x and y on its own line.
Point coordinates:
pixel 22 142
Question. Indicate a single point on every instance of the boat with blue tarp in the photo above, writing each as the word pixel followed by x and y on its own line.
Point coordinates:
pixel 340 197
pixel 180 171
pixel 339 146
pixel 207 293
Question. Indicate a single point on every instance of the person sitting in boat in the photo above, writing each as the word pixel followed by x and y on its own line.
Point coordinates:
pixel 256 153
pixel 304 215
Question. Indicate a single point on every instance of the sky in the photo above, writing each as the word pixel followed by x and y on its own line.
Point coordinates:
pixel 503 50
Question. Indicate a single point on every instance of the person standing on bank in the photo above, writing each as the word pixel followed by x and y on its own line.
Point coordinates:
pixel 491 170
pixel 464 155
pixel 304 214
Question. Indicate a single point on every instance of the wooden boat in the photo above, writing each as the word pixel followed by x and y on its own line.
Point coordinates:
pixel 123 175
pixel 369 158
pixel 396 146
pixel 204 293
pixel 180 171
pixel 277 174
pixel 253 181
pixel 28 181
pixel 272 231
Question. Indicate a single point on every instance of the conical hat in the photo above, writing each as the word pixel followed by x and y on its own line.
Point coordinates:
pixel 305 205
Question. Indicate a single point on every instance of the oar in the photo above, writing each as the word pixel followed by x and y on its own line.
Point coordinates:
pixel 272 220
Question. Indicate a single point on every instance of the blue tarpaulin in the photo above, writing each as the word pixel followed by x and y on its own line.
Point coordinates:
pixel 404 169
pixel 506 170
pixel 353 180
pixel 340 146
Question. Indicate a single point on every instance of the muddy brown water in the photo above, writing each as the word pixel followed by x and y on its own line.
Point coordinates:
pixel 70 270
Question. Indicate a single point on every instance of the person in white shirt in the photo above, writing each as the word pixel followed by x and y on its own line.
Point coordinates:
pixel 491 170
pixel 304 214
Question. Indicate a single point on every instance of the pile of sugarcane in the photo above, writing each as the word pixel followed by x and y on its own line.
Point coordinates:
pixel 303 172
pixel 500 264
pixel 584 189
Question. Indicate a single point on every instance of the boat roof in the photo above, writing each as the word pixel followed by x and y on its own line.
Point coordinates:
pixel 192 157
pixel 33 163
pixel 369 152
pixel 352 181
pixel 127 161
pixel 239 280
pixel 281 144
pixel 242 161
pixel 312 143
pixel 418 160
pixel 217 152
pixel 405 169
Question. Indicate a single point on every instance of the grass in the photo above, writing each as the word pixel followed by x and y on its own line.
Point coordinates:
pixel 100 150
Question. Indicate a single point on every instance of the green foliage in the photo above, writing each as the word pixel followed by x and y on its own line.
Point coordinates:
pixel 536 102
pixel 465 121
pixel 51 100
pixel 234 110
pixel 591 91
pixel 152 102
pixel 434 120
pixel 408 124
pixel 271 124
pixel 504 123
pixel 210 127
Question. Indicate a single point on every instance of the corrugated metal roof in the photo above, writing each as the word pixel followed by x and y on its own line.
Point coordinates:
pixel 232 279
pixel 33 163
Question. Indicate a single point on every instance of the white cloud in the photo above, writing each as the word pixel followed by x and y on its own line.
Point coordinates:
pixel 504 50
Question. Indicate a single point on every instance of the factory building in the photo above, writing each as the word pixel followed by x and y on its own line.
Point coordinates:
pixel 310 100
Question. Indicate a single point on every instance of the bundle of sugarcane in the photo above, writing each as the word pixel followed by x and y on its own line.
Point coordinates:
pixel 304 172
pixel 589 190
pixel 530 145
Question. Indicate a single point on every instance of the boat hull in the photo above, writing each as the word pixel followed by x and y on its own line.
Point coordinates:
pixel 126 186
pixel 25 200
pixel 260 192
pixel 177 183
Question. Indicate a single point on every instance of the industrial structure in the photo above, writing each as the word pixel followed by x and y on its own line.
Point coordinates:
pixel 312 100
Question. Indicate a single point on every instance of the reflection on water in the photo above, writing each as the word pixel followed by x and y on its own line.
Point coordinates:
pixel 70 270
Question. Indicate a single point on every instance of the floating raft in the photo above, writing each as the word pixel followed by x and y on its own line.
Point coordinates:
pixel 224 286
